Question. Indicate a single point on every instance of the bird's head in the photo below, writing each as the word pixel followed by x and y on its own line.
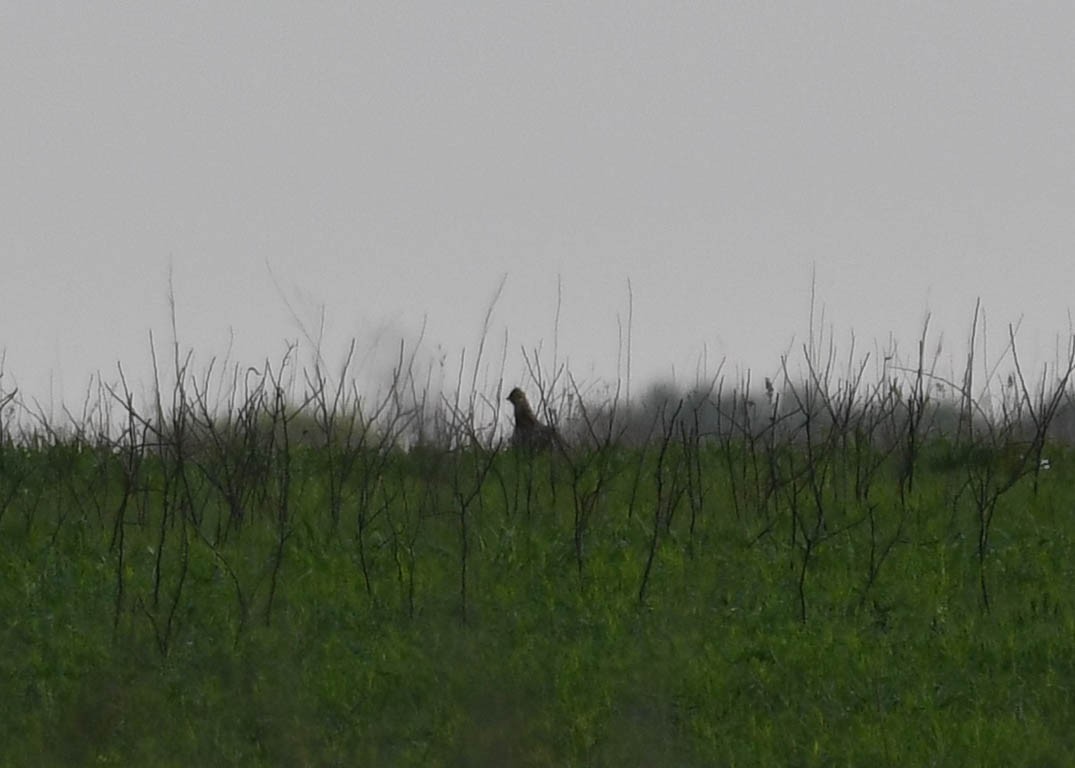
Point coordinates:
pixel 516 396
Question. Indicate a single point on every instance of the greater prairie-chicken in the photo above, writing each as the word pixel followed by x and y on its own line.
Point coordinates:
pixel 529 432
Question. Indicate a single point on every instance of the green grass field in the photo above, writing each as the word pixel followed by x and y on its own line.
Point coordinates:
pixel 828 572
pixel 689 603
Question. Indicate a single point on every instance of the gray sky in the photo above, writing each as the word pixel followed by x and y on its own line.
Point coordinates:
pixel 389 163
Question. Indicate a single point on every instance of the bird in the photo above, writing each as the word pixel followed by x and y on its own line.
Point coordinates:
pixel 529 432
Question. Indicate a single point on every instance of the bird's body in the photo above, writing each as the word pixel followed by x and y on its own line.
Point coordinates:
pixel 529 432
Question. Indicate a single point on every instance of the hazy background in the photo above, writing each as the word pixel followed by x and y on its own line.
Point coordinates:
pixel 386 165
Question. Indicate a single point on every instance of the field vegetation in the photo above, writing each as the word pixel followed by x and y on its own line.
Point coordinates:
pixel 843 565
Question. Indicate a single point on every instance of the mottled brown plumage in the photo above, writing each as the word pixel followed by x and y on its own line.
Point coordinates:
pixel 529 432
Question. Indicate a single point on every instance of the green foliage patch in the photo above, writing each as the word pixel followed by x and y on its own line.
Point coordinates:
pixel 691 605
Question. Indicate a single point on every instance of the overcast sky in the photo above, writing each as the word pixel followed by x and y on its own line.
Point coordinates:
pixel 388 164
